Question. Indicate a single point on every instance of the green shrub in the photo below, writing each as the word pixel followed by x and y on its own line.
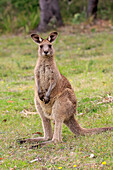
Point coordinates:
pixel 105 9
pixel 16 15
pixel 79 17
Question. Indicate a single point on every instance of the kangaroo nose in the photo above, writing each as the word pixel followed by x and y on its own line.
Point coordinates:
pixel 46 52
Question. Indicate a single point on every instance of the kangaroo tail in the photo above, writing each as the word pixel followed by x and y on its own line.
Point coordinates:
pixel 73 125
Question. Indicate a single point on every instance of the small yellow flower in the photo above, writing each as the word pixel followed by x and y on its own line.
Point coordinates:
pixel 29 86
pixel 104 163
pixel 78 49
pixel 60 168
pixel 19 88
pixel 8 87
pixel 2 82
pixel 74 166
pixel 105 85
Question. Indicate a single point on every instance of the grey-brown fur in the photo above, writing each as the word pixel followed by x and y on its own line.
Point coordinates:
pixel 54 96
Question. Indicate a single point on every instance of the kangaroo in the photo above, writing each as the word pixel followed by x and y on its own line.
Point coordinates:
pixel 54 97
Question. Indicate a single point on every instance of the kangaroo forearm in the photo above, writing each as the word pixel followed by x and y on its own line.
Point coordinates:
pixel 51 87
pixel 40 93
pixel 38 85
pixel 48 93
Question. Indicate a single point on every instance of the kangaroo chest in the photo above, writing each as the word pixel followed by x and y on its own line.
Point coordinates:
pixel 45 75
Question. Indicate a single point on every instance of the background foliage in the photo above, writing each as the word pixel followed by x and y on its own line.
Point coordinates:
pixel 24 15
pixel 16 15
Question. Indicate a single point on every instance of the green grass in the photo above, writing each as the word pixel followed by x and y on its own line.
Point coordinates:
pixel 87 61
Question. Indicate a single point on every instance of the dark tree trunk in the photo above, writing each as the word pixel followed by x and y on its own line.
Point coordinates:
pixel 48 10
pixel 92 8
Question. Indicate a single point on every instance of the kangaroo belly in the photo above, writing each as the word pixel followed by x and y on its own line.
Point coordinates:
pixel 47 109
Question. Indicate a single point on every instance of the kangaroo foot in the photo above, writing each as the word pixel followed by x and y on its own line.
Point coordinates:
pixel 21 141
pixel 31 140
pixel 40 144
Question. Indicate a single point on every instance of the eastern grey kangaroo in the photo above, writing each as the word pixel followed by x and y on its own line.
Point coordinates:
pixel 54 96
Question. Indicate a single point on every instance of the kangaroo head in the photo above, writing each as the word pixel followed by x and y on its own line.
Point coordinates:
pixel 45 45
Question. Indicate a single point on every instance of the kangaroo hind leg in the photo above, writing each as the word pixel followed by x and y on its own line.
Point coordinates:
pixel 46 123
pixel 63 108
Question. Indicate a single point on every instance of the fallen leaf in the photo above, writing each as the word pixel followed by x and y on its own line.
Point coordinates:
pixel 85 156
pixel 10 101
pixel 39 133
pixel 4 120
pixel 24 99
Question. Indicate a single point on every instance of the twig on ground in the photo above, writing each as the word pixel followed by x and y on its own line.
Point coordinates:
pixel 25 112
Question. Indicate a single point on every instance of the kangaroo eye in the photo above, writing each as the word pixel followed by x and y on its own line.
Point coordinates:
pixel 50 46
pixel 41 46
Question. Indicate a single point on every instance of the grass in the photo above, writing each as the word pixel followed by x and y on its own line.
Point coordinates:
pixel 87 61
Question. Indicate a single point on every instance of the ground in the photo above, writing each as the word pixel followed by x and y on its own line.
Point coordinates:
pixel 86 59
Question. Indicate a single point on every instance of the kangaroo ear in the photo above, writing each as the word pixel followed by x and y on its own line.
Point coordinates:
pixel 36 38
pixel 52 37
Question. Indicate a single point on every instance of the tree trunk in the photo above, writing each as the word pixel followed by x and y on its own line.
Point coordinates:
pixel 92 8
pixel 48 10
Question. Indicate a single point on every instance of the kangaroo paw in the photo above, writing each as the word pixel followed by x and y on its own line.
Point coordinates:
pixel 46 99
pixel 41 95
